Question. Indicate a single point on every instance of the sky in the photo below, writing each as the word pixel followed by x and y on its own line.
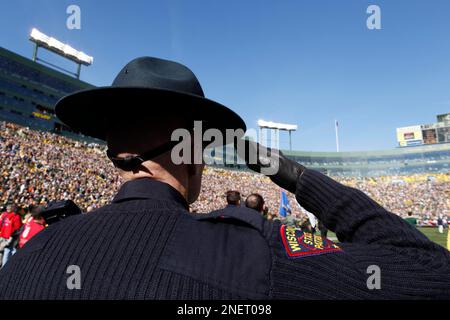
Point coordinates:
pixel 292 61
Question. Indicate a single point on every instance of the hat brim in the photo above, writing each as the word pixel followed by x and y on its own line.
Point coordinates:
pixel 88 111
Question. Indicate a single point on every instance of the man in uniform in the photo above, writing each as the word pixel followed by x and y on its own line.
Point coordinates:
pixel 146 245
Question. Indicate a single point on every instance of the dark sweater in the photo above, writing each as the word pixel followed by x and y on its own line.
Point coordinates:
pixel 145 245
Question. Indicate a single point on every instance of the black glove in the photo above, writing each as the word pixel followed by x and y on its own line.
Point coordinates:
pixel 282 171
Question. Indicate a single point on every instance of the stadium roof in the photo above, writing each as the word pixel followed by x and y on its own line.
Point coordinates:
pixel 380 153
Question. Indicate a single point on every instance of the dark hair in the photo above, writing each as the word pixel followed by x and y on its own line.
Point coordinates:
pixel 409 213
pixel 233 197
pixel 255 201
pixel 36 211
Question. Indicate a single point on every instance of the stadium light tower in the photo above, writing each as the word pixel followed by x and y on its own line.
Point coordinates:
pixel 262 124
pixel 43 41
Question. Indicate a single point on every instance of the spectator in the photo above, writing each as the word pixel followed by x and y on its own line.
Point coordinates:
pixel 440 223
pixel 32 226
pixel 410 219
pixel 256 202
pixel 11 224
pixel 233 198
pixel 4 242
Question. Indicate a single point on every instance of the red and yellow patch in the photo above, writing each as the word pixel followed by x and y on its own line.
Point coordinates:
pixel 300 244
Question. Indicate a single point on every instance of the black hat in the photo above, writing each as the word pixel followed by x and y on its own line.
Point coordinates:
pixel 152 87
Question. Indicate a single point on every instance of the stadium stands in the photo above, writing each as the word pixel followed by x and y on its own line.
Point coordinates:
pixel 410 160
pixel 40 166
pixel 29 90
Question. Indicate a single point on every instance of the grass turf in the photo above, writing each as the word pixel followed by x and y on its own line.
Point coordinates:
pixel 434 235
pixel 431 232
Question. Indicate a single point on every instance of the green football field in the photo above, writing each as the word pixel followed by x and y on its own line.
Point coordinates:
pixel 432 234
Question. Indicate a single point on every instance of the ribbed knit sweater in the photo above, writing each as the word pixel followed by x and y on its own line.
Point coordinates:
pixel 146 245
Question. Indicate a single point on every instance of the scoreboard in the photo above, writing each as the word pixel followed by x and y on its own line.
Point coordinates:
pixel 409 136
pixel 438 132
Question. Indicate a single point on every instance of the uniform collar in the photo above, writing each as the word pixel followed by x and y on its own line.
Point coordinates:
pixel 244 214
pixel 146 188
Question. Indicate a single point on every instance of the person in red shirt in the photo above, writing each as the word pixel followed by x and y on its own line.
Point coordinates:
pixel 32 226
pixel 10 225
pixel 4 241
pixel 9 210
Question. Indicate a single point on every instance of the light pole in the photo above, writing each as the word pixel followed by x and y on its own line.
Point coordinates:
pixel 336 125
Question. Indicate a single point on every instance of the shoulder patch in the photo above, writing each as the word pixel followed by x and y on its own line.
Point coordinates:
pixel 301 244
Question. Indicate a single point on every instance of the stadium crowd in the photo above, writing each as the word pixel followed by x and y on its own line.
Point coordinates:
pixel 37 167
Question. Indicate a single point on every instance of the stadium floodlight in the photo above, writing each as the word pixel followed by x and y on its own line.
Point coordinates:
pixel 277 126
pixel 56 46
pixel 68 50
pixel 84 57
pixel 38 36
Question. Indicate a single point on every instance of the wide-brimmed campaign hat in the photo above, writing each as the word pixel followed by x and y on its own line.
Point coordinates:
pixel 145 87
